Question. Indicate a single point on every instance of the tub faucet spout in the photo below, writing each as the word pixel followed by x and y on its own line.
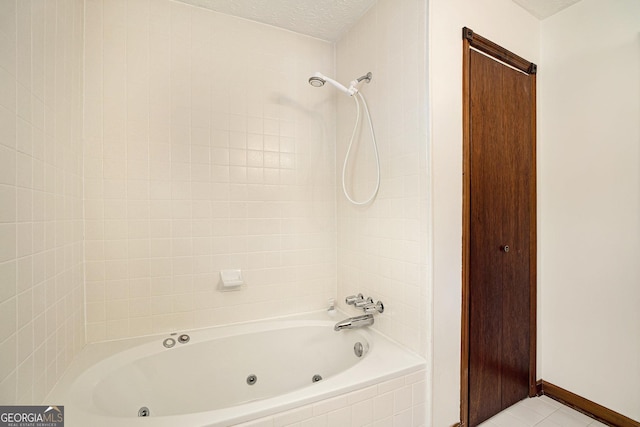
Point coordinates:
pixel 354 322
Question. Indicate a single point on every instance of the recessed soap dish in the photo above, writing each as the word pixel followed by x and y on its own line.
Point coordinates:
pixel 231 280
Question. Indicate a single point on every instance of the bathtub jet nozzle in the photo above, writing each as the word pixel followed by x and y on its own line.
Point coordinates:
pixel 354 322
pixel 252 379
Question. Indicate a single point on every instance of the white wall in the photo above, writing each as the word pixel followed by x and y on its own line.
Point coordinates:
pixel 382 248
pixel 589 211
pixel 205 149
pixel 41 275
pixel 513 28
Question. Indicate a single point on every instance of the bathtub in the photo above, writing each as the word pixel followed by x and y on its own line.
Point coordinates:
pixel 225 375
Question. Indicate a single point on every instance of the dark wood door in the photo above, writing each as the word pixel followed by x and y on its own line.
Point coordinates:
pixel 501 162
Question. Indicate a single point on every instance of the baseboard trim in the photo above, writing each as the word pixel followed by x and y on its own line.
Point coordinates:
pixel 585 406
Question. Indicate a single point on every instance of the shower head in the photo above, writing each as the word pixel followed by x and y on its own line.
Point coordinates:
pixel 318 80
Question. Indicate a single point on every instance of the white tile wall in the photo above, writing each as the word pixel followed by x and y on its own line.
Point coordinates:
pixel 382 249
pixel 395 403
pixel 205 149
pixel 41 270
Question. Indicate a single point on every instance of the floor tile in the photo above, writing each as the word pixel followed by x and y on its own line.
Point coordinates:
pixel 505 419
pixel 568 420
pixel 578 416
pixel 549 401
pixel 540 412
pixel 541 406
pixel 527 414
pixel 547 423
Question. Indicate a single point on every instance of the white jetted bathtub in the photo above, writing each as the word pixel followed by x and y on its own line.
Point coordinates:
pixel 224 375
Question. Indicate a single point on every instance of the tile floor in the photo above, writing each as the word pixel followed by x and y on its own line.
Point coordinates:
pixel 540 412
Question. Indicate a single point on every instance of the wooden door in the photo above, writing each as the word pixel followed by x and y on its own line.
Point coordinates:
pixel 499 236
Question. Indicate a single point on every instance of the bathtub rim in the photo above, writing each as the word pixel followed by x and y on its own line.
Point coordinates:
pixel 98 352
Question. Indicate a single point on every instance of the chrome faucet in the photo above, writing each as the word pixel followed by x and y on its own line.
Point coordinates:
pixel 354 322
pixel 367 305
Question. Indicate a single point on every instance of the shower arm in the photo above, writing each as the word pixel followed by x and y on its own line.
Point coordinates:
pixel 366 77
pixel 353 86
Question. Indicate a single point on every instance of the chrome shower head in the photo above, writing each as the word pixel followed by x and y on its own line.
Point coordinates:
pixel 316 81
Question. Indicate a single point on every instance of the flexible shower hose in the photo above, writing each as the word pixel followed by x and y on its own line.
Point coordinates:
pixel 375 150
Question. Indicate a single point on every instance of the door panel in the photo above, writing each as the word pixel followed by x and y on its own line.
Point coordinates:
pixel 499 301
pixel 517 148
pixel 485 271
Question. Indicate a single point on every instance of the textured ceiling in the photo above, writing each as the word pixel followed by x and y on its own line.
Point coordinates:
pixel 542 9
pixel 324 19
pixel 330 19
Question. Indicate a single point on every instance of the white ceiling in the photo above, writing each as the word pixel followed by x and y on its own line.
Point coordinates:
pixel 542 9
pixel 330 19
pixel 323 19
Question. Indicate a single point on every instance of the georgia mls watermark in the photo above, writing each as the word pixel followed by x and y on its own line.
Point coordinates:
pixel 32 416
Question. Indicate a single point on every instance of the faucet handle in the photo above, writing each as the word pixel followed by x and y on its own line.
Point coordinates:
pixel 364 302
pixel 373 308
pixel 353 299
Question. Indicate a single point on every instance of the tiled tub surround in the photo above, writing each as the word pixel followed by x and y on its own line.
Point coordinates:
pixel 399 402
pixel 41 251
pixel 182 386
pixel 205 149
pixel 197 156
pixel 382 249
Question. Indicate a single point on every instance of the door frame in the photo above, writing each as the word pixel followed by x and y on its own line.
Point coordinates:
pixel 476 42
